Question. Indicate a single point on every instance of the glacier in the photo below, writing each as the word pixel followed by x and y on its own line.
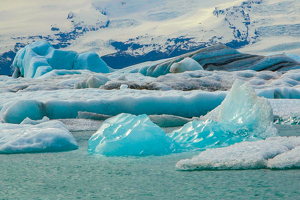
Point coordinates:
pixel 130 135
pixel 49 136
pixel 242 116
pixel 39 58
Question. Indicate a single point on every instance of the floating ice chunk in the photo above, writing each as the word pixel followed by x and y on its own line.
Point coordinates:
pixel 22 109
pixel 34 122
pixel 274 152
pixel 127 134
pixel 187 64
pixel 241 116
pixel 46 137
pixel 93 81
pixel 123 87
pixel 39 58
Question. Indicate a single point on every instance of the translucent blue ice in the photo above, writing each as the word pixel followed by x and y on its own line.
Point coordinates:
pixel 242 116
pixel 39 58
pixel 127 134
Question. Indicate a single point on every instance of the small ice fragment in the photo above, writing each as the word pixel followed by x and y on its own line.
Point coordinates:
pixel 123 87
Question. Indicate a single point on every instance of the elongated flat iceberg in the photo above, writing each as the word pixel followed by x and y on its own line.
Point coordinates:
pixel 127 134
pixel 50 136
pixel 242 116
pixel 273 153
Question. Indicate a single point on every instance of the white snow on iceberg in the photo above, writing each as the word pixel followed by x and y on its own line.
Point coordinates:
pixel 127 134
pixel 50 136
pixel 241 116
pixel 274 153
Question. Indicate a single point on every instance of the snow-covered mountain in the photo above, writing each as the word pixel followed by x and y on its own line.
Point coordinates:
pixel 126 32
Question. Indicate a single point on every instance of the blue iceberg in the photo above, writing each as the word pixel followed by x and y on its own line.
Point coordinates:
pixel 39 58
pixel 242 116
pixel 127 134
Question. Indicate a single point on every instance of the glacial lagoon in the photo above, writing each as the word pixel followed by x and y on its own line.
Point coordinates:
pixel 78 175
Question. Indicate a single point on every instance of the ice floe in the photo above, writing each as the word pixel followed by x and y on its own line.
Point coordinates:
pixel 273 153
pixel 49 136
pixel 127 134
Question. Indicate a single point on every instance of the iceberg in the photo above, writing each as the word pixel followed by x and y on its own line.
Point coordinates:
pixel 49 136
pixel 22 109
pixel 242 116
pixel 273 153
pixel 187 64
pixel 222 58
pixel 63 104
pixel 130 135
pixel 92 81
pixel 39 58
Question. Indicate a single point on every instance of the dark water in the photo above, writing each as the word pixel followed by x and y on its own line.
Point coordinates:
pixel 77 175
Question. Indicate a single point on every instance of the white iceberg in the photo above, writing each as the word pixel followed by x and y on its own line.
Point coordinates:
pixel 127 134
pixel 242 116
pixel 274 153
pixel 49 136
pixel 187 64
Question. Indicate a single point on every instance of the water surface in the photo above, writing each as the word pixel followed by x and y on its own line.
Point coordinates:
pixel 77 175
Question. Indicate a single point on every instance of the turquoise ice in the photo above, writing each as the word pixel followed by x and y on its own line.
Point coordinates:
pixel 242 116
pixel 39 58
pixel 127 134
